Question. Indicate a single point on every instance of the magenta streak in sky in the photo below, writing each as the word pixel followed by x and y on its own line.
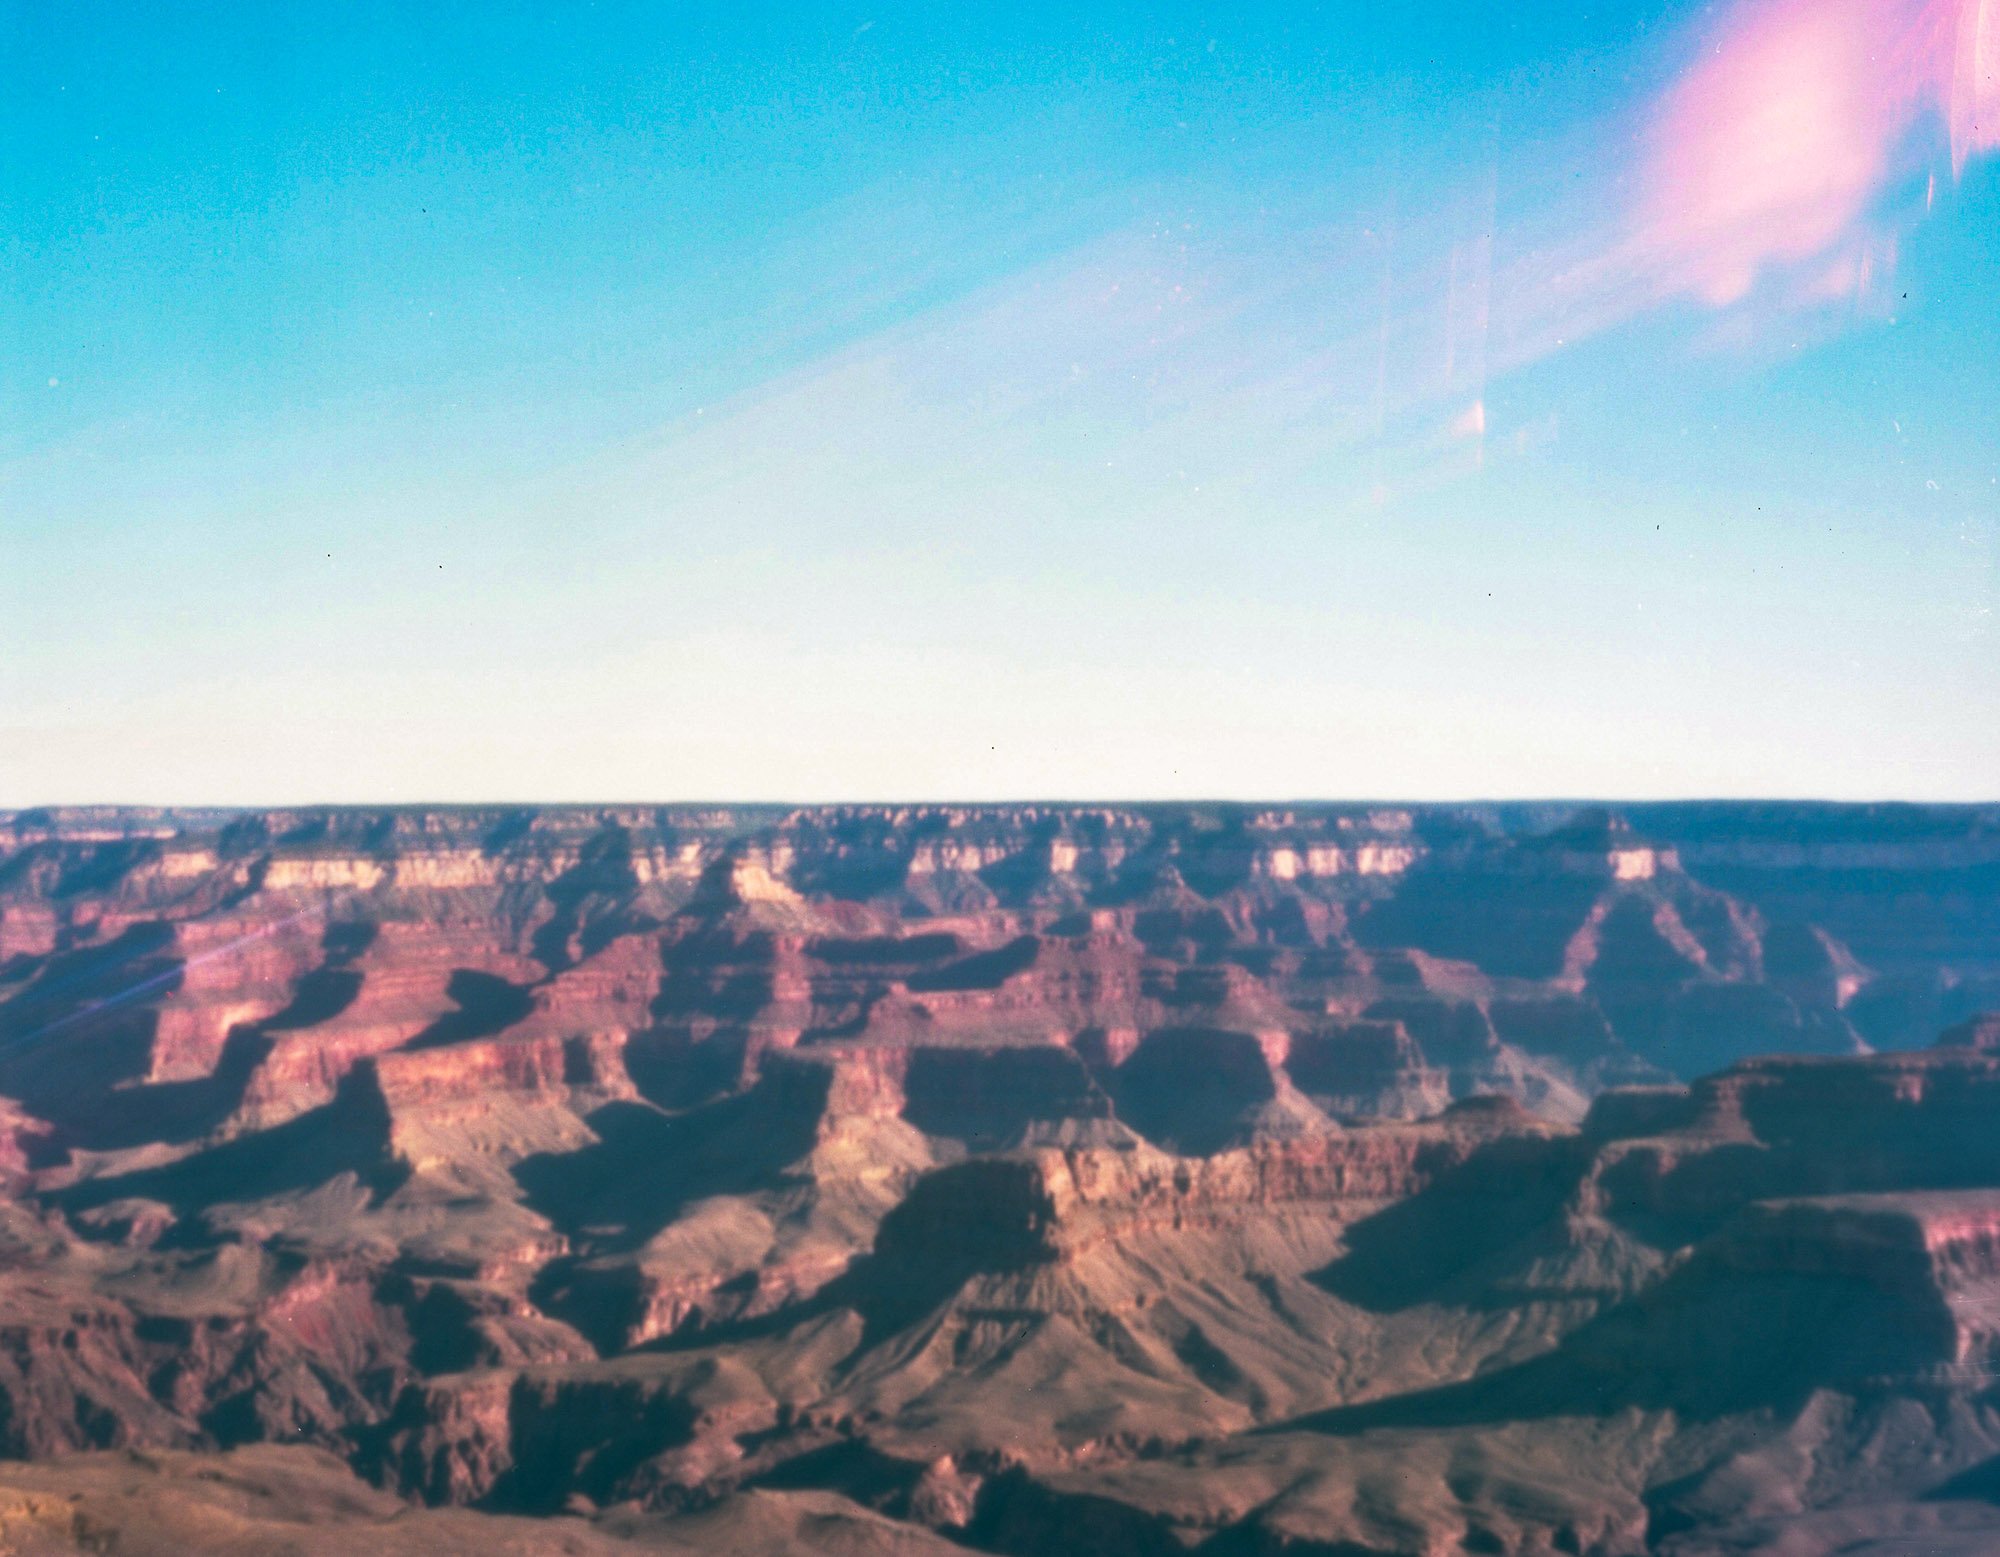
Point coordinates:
pixel 1770 150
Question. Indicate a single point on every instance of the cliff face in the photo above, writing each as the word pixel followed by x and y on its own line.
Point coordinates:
pixel 972 1164
pixel 1545 961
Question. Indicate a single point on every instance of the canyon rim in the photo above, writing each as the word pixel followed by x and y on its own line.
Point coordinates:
pixel 1105 1179
pixel 865 778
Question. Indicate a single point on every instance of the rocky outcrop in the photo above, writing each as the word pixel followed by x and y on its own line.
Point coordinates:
pixel 1583 949
pixel 1207 1177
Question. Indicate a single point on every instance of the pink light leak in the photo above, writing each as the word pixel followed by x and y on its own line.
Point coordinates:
pixel 1974 99
pixel 1771 150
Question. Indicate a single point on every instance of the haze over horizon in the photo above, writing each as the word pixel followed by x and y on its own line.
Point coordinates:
pixel 857 402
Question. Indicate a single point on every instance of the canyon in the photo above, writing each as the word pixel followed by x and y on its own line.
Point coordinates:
pixel 1234 1179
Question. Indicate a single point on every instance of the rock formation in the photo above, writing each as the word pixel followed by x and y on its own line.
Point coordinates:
pixel 1021 1178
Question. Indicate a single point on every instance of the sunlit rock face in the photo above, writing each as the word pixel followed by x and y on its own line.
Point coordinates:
pixel 1166 1171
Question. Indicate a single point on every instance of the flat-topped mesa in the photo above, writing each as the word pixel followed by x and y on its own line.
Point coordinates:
pixel 1927 1262
pixel 1638 1113
pixel 1917 1238
pixel 471 1073
pixel 1051 1203
pixel 1797 1127
pixel 1856 1298
pixel 1926 1114
pixel 497 1100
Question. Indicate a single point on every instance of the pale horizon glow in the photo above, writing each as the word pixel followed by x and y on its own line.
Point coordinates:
pixel 558 407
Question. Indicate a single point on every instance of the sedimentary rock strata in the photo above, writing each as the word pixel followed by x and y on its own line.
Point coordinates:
pixel 1230 1178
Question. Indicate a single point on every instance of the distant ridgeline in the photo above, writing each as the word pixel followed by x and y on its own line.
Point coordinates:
pixel 1379 959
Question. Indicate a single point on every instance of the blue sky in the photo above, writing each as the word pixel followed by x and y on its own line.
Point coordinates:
pixel 640 401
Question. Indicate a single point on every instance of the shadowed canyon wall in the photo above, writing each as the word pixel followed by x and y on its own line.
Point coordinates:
pixel 1156 1176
